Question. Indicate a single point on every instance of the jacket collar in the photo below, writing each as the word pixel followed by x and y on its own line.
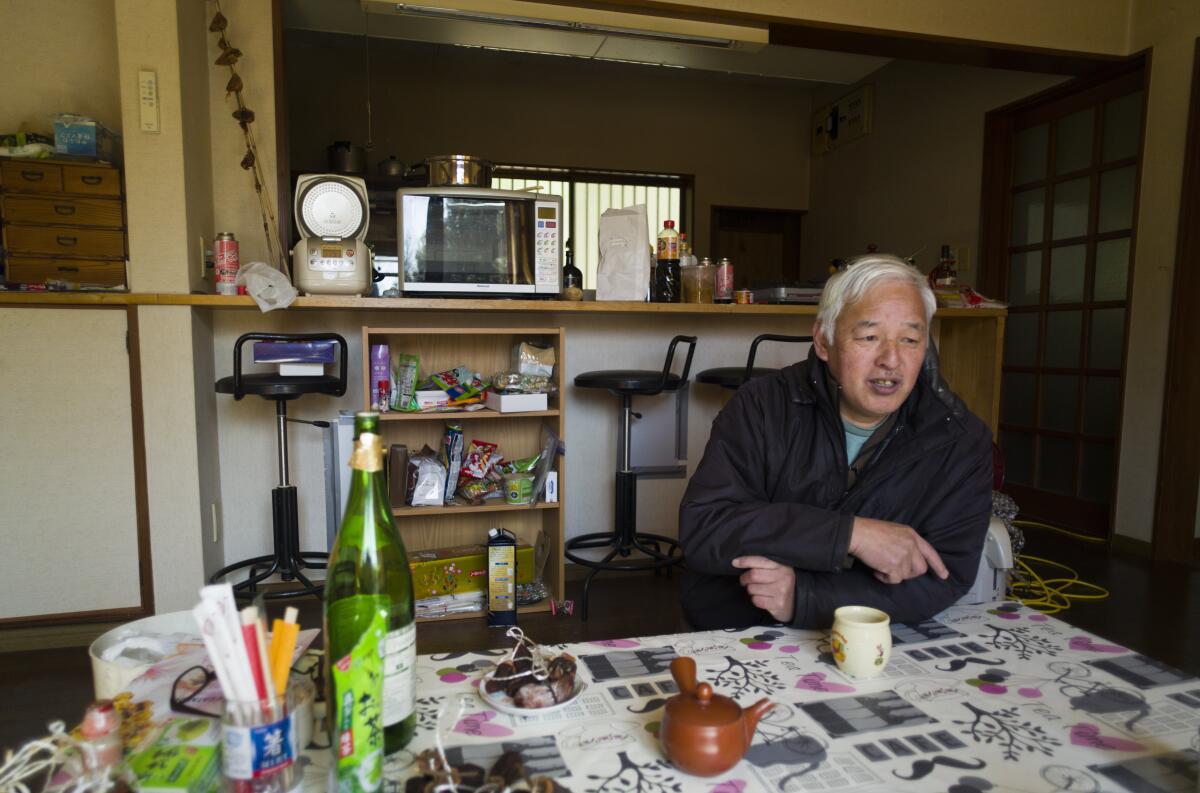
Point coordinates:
pixel 930 403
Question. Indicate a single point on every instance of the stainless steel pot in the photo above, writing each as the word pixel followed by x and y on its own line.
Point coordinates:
pixel 457 170
pixel 390 167
pixel 346 157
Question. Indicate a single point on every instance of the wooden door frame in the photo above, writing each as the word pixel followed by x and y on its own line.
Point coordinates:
pixel 1178 456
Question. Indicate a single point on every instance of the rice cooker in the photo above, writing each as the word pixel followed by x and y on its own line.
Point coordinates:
pixel 331 213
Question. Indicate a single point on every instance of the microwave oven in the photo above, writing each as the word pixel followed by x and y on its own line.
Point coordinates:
pixel 459 241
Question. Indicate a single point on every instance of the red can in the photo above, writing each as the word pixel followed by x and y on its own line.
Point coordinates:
pixel 225 249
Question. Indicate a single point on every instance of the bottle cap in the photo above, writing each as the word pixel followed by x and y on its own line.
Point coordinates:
pixel 668 224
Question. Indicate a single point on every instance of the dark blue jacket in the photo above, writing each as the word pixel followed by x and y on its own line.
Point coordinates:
pixel 773 483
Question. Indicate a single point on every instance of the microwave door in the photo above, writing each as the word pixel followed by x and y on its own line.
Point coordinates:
pixel 520 242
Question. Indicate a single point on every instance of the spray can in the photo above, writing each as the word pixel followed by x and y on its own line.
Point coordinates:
pixel 228 260
pixel 502 578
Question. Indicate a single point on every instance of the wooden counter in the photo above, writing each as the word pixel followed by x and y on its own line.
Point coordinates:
pixel 438 304
pixel 970 340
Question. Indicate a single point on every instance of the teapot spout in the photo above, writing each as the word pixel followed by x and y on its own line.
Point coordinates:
pixel 751 716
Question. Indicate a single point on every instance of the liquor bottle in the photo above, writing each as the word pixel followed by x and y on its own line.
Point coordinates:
pixel 668 287
pixel 572 282
pixel 370 629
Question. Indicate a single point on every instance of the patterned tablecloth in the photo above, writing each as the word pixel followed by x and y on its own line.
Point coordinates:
pixel 982 698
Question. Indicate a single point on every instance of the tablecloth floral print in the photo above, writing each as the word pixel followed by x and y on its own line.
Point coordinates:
pixel 994 698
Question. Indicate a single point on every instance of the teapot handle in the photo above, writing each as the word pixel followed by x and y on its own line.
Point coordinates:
pixel 683 669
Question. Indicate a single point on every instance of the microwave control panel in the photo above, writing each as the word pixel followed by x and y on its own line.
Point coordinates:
pixel 547 246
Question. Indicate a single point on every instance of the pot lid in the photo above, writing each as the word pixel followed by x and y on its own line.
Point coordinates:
pixel 332 207
pixel 704 708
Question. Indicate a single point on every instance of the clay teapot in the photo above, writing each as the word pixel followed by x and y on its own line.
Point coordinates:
pixel 703 733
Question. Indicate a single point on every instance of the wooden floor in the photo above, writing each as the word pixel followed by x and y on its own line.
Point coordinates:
pixel 1153 608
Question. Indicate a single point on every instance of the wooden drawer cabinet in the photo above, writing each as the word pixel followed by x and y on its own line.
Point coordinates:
pixel 59 210
pixel 65 241
pixel 62 220
pixel 34 270
pixel 91 180
pixel 32 176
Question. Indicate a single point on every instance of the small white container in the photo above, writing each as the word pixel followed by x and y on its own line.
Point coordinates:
pixel 110 678
pixel 517 403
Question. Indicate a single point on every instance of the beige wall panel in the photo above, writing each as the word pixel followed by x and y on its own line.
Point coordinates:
pixel 1171 29
pixel 913 184
pixel 745 140
pixel 156 205
pixel 172 471
pixel 234 202
pixel 66 463
pixel 60 56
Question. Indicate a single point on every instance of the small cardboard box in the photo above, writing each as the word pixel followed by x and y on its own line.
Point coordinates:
pixel 86 138
pixel 452 571
pixel 517 403
pixel 184 758
pixel 436 398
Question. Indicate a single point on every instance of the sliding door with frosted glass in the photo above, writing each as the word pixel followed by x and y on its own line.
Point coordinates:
pixel 1073 197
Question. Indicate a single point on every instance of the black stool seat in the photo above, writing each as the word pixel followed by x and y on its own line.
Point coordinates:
pixel 731 376
pixel 274 386
pixel 633 381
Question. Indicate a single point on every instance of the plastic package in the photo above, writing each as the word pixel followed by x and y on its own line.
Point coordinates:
pixel 534 358
pixel 452 457
pixel 430 487
pixel 404 381
pixel 270 288
pixel 517 383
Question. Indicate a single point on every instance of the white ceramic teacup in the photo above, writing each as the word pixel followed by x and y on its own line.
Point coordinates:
pixel 861 640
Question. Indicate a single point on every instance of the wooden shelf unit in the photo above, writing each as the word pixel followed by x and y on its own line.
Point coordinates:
pixel 518 435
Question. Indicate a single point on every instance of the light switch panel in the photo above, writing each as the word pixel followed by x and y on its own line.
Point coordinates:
pixel 148 100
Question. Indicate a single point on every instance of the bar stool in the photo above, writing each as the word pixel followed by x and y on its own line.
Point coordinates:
pixel 624 539
pixel 287 559
pixel 732 377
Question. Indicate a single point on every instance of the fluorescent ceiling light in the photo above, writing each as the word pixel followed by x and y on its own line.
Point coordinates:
pixel 560 25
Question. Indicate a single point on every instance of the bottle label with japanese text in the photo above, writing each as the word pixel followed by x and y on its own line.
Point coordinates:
pixel 399 674
pixel 357 697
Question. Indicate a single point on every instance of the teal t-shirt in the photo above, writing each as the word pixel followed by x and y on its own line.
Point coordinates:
pixel 856 438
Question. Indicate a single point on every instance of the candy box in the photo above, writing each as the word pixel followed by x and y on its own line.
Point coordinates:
pixel 451 571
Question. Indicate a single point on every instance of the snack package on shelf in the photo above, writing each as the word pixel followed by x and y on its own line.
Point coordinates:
pixel 452 457
pixel 534 358
pixel 517 383
pixel 460 384
pixel 427 477
pixel 404 381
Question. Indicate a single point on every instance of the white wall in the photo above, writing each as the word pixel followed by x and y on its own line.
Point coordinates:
pixel 60 56
pixel 914 182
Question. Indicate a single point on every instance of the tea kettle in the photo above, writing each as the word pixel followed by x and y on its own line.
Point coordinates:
pixel 704 733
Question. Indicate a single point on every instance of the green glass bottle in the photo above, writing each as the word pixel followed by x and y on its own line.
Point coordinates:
pixel 370 627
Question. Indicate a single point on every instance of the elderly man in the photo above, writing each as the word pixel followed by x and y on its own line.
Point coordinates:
pixel 854 477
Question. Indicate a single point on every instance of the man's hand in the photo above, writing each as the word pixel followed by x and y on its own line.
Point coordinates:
pixel 894 551
pixel 772 586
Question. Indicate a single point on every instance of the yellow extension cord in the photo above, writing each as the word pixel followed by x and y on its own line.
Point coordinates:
pixel 1051 595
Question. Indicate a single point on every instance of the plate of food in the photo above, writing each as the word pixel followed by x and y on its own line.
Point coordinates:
pixel 517 688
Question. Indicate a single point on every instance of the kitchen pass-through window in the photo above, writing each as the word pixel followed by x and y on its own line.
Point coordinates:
pixel 586 194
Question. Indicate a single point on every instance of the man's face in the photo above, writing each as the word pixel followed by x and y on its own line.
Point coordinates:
pixel 878 347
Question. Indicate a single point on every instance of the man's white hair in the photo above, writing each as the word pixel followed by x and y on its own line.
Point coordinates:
pixel 849 286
